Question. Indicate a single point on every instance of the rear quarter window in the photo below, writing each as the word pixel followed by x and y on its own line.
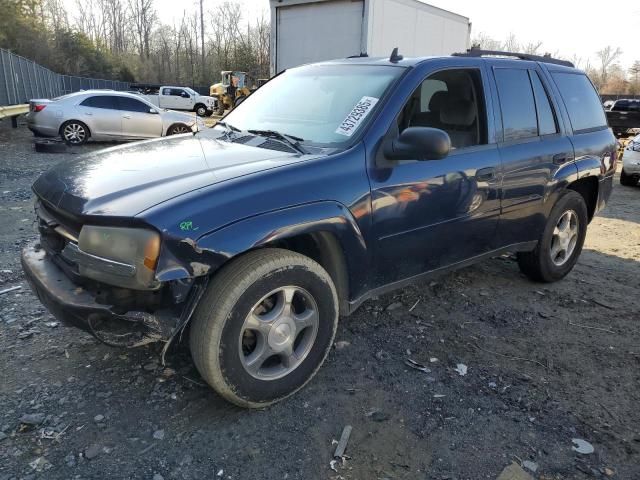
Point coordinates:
pixel 582 101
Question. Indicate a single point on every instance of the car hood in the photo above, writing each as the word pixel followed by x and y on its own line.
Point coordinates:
pixel 126 180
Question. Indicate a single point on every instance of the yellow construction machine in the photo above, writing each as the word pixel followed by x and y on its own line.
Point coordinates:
pixel 232 90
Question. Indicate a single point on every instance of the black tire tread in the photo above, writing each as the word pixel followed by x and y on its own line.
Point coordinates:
pixel 223 291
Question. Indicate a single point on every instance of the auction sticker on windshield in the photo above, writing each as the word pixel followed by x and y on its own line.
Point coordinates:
pixel 357 115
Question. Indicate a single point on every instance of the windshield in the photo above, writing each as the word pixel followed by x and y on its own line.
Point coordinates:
pixel 191 92
pixel 322 104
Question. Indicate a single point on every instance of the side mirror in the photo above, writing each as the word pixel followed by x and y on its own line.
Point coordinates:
pixel 153 110
pixel 419 143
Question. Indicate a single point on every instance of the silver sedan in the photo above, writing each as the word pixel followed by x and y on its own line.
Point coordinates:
pixel 105 115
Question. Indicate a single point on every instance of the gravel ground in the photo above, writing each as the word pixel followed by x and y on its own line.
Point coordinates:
pixel 544 364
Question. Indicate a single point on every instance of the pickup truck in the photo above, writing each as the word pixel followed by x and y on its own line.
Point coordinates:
pixel 624 115
pixel 181 98
pixel 254 236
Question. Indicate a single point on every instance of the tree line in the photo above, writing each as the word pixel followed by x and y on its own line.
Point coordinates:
pixel 605 70
pixel 125 40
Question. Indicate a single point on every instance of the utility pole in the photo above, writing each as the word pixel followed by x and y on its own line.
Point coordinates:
pixel 203 73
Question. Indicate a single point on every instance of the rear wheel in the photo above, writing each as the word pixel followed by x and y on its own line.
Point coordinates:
pixel 627 180
pixel 561 243
pixel 264 326
pixel 177 129
pixel 74 132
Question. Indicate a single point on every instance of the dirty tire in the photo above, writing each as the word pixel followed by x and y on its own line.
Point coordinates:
pixel 627 180
pixel 232 294
pixel 177 129
pixel 537 264
pixel 50 146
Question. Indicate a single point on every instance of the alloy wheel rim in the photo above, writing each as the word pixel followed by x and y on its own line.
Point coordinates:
pixel 202 111
pixel 180 129
pixel 74 133
pixel 565 238
pixel 278 333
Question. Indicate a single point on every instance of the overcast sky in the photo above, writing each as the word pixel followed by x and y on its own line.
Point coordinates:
pixel 567 26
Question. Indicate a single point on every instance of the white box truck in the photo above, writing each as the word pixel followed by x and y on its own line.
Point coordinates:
pixel 305 31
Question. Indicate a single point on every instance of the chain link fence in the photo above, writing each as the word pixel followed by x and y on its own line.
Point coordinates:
pixel 22 80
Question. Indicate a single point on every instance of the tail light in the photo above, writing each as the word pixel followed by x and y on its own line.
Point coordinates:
pixel 38 107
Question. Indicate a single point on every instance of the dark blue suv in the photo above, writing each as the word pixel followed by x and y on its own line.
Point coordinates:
pixel 332 183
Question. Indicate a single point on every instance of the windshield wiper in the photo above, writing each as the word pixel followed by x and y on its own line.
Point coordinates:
pixel 229 129
pixel 290 140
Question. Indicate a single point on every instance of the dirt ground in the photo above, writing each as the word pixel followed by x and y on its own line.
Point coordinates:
pixel 545 364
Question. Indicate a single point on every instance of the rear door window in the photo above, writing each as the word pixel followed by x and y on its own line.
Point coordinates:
pixel 133 105
pixel 516 103
pixel 583 103
pixel 546 117
pixel 101 101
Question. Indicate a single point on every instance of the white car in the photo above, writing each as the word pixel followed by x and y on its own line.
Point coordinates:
pixel 105 115
pixel 631 163
pixel 183 98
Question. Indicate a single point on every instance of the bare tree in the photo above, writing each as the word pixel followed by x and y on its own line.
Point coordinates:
pixel 532 48
pixel 485 42
pixel 144 16
pixel 607 56
pixel 511 44
pixel 202 53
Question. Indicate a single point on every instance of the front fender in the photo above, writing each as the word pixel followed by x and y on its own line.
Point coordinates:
pixel 209 252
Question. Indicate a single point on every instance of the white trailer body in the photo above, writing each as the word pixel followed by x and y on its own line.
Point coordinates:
pixel 306 31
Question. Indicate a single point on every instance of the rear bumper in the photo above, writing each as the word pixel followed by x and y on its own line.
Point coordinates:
pixel 42 131
pixel 76 306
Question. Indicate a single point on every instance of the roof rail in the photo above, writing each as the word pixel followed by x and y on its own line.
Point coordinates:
pixel 546 58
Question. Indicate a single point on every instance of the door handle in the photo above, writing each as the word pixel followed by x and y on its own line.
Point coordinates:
pixel 485 174
pixel 88 114
pixel 560 158
pixel 126 116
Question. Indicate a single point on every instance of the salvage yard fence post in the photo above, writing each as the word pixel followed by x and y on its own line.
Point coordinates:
pixel 22 79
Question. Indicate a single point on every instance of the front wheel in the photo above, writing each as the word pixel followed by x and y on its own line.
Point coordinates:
pixel 201 110
pixel 561 242
pixel 177 129
pixel 264 326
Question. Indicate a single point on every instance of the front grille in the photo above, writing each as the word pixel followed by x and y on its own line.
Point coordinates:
pixel 56 230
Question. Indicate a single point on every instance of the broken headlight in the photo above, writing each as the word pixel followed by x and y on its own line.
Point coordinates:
pixel 125 257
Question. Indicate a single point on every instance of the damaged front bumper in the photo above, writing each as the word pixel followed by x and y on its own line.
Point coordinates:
pixel 79 306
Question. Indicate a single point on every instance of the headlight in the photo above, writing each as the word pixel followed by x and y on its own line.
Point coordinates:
pixel 136 247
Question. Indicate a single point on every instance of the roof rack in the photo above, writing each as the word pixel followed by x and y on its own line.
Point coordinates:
pixel 546 58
